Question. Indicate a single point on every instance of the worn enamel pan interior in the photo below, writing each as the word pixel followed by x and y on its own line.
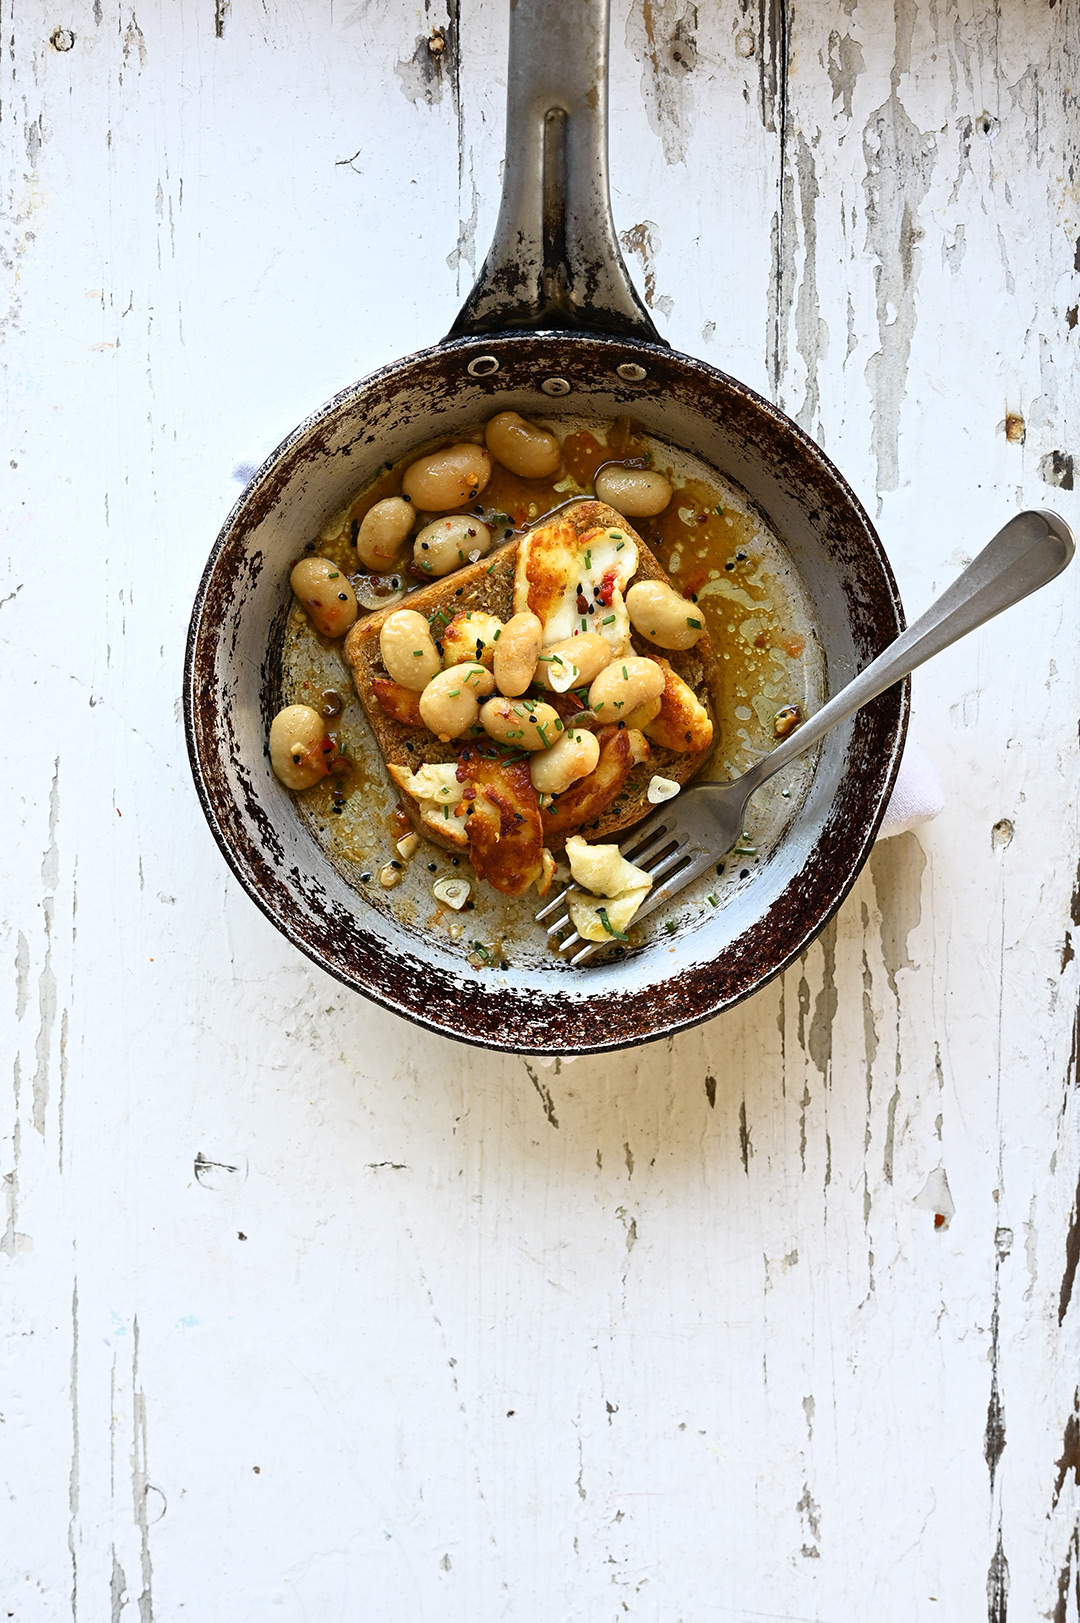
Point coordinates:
pixel 232 676
pixel 553 324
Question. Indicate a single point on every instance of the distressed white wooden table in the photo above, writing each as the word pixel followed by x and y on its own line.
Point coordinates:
pixel 310 1315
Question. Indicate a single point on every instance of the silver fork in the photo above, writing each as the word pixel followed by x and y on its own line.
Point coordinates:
pixel 683 839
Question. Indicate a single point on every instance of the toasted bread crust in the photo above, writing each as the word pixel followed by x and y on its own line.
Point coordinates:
pixel 489 586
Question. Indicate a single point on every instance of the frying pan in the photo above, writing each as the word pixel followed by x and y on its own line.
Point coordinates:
pixel 552 323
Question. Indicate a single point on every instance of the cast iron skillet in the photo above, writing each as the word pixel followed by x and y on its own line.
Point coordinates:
pixel 553 318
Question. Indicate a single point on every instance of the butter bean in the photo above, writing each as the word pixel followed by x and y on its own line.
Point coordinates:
pixel 451 701
pixel 441 480
pixel 450 543
pixel 524 723
pixel 516 652
pixel 522 447
pixel 633 492
pixel 295 735
pixel 586 656
pixel 660 613
pixel 326 595
pixel 573 756
pixel 383 532
pixel 623 686
pixel 408 650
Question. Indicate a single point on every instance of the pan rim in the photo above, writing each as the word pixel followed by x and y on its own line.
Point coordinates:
pixel 677 1020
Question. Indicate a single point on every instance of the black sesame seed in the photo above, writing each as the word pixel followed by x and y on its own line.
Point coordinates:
pixel 470 906
pixel 729 566
pixel 365 879
pixel 459 591
pixel 745 874
pixel 455 862
pixel 433 867
pixel 719 868
pixel 343 597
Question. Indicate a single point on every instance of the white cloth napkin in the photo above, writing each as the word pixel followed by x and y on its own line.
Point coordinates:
pixel 917 795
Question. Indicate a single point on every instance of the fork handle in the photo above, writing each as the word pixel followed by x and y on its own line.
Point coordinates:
pixel 1027 553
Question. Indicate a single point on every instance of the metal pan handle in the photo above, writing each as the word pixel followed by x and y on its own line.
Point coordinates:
pixel 554 260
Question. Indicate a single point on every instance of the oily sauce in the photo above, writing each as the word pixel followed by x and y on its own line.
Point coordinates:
pixel 716 548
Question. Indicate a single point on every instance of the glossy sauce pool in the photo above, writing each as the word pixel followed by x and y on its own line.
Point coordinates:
pixel 716 547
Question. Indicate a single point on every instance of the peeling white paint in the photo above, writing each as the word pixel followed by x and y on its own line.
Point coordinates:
pixel 310 1314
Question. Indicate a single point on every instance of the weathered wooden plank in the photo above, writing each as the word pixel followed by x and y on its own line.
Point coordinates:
pixel 312 1313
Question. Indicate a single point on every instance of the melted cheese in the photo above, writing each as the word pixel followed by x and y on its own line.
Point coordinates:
pixel 558 574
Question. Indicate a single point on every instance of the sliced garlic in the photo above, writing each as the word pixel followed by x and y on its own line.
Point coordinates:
pixel 454 892
pixel 390 875
pixel 407 845
pixel 377 591
pixel 562 673
pixel 661 789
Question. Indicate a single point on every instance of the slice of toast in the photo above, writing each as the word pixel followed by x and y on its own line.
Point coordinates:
pixel 488 586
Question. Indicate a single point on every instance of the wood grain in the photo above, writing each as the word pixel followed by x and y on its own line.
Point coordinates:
pixel 309 1315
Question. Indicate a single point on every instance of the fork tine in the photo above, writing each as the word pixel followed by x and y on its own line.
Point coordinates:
pixel 556 901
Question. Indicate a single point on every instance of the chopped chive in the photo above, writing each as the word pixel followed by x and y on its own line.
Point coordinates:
pixel 618 704
pixel 610 620
pixel 620 546
pixel 624 675
pixel 696 624
pixel 712 901
pixel 584 625
pixel 588 559
pixel 558 725
pixel 601 913
pixel 490 567
pixel 478 946
pixel 498 633
pixel 453 693
pixel 543 734
pixel 418 653
pixel 333 575
pixel 616 535
pixel 670 926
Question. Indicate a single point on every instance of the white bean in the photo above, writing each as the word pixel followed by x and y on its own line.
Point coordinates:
pixel 295 736
pixel 450 543
pixel 522 447
pixel 633 492
pixel 408 650
pixel 326 595
pixel 449 705
pixel 516 652
pixel 383 532
pixel 524 723
pixel 623 686
pixel 573 756
pixel 660 613
pixel 587 656
pixel 441 480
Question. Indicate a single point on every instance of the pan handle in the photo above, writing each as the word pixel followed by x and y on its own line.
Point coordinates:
pixel 554 260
